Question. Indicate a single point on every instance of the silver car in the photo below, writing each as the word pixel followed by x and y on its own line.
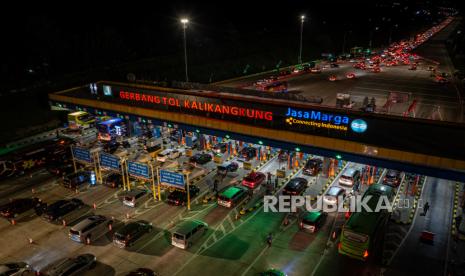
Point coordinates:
pixel 73 266
pixel 90 229
pixel 332 195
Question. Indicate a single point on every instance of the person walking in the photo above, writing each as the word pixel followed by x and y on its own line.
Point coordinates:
pixel 269 239
pixel 425 208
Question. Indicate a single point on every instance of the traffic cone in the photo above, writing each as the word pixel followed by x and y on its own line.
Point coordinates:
pixel 64 222
pixel 334 235
pixel 13 222
pixel 31 241
pixel 33 191
pixel 76 191
pixel 95 205
pixel 127 215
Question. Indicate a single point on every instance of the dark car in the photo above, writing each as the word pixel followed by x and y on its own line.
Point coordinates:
pixel 254 179
pixel 73 266
pixel 220 148
pixel 334 65
pixel 21 207
pixel 142 272
pixel 179 197
pixel 114 180
pixel 74 180
pixel 65 211
pixel 392 178
pixel 131 232
pixel 61 168
pixel 313 166
pixel 312 221
pixel 227 167
pixel 249 153
pixel 111 146
pixel 201 158
pixel 296 186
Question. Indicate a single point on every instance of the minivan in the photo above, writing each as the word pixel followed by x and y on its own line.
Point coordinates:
pixel 349 177
pixel 74 180
pixel 132 198
pixel 231 196
pixel 188 232
pixel 90 229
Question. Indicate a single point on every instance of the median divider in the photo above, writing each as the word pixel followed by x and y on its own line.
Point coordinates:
pixel 456 204
pixel 416 199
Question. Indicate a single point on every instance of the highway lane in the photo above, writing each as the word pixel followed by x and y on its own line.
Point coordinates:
pixel 418 258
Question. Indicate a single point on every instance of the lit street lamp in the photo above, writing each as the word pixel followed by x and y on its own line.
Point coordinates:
pixel 184 22
pixel 302 18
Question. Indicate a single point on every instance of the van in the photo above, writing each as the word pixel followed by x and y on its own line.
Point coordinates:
pixel 90 229
pixel 80 119
pixel 231 196
pixel 349 177
pixel 74 180
pixel 134 197
pixel 188 232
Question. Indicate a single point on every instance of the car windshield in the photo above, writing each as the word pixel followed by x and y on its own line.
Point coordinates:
pixel 333 191
pixel 178 236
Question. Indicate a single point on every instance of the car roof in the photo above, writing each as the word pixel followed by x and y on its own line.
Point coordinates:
pixel 231 191
pixel 312 216
pixel 349 171
pixel 187 226
pixel 334 190
pixel 128 228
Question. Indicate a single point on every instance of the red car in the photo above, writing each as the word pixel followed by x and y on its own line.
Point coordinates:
pixel 253 180
pixel 350 76
pixel 332 78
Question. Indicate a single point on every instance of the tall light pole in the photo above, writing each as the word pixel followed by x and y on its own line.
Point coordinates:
pixel 371 37
pixel 184 22
pixel 302 19
pixel 344 42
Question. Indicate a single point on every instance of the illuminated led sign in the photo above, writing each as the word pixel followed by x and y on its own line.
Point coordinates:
pixel 319 119
pixel 198 105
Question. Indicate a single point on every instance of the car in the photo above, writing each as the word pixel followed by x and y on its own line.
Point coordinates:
pixel 168 154
pixel 295 186
pixel 376 70
pixel 413 67
pixel 313 167
pixel 188 232
pixel 315 70
pixel 128 234
pixel 14 269
pixel 253 179
pixel 135 197
pixel 142 272
pixel 332 78
pixel 392 178
pixel 113 180
pixel 231 196
pixel 334 65
pixel 350 75
pixel 20 208
pixel 332 195
pixel 273 272
pixel 111 146
pixel 178 197
pixel 201 158
pixel 73 266
pixel 248 153
pixel 312 221
pixel 349 177
pixel 227 167
pixel 65 211
pixel 283 155
pixel 74 180
pixel 62 168
pixel 441 79
pixel 90 229
pixel 220 148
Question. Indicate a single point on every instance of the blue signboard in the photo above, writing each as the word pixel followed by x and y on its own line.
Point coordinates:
pixel 109 161
pixel 82 154
pixel 172 179
pixel 138 169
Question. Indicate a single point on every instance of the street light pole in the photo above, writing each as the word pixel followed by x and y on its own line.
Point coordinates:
pixel 302 18
pixel 184 22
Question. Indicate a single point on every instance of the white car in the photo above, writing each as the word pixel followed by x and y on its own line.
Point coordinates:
pixel 168 154
pixel 332 195
pixel 14 269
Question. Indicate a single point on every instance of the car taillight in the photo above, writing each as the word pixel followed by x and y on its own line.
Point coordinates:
pixel 339 245
pixel 365 254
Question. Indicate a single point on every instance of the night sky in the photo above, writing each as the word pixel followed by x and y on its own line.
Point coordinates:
pixel 46 41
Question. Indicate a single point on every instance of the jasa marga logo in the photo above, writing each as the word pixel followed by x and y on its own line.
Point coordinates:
pixel 359 125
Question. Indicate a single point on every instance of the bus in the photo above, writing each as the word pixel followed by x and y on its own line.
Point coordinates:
pixel 363 232
pixel 80 119
pixel 109 129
